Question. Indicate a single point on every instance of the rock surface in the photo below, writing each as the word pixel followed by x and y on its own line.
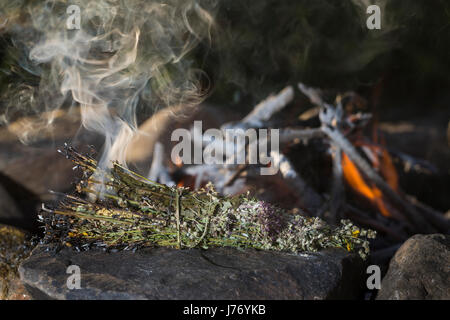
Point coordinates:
pixel 218 273
pixel 420 269
pixel 13 249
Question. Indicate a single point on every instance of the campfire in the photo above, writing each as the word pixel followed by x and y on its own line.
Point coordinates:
pixel 133 212
pixel 361 168
pixel 183 205
pixel 252 131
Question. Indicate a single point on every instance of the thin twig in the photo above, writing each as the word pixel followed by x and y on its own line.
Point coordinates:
pixel 436 218
pixel 367 221
pixel 177 215
pixel 265 109
pixel 205 231
pixel 412 214
pixel 291 134
pixel 158 172
pixel 235 174
pixel 329 117
pixel 337 190
pixel 309 198
pixel 313 95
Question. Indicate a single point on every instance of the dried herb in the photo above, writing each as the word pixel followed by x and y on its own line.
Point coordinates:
pixel 117 208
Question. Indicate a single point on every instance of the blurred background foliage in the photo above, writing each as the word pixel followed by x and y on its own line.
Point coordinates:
pixel 258 47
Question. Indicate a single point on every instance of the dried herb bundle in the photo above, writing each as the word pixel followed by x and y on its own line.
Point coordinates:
pixel 117 208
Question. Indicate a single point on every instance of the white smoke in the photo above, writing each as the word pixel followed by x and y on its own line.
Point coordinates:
pixel 124 52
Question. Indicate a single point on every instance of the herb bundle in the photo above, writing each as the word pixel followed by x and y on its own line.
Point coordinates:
pixel 117 208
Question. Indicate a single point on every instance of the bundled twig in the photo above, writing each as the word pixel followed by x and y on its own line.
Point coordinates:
pixel 131 211
pixel 158 172
pixel 264 110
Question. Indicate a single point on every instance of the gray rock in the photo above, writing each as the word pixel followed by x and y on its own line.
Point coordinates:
pixel 420 269
pixel 37 165
pixel 218 273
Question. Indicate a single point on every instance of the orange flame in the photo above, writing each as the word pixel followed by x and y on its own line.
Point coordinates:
pixel 180 184
pixel 356 181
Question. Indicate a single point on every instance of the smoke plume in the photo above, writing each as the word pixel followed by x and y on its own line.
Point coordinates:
pixel 124 53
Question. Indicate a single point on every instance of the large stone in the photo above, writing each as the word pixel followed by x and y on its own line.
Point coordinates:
pixel 218 273
pixel 29 171
pixel 37 165
pixel 420 269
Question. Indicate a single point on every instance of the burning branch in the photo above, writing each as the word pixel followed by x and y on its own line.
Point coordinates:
pixel 409 210
pixel 311 200
pixel 337 189
pixel 375 180
pixel 265 110
pixel 329 117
